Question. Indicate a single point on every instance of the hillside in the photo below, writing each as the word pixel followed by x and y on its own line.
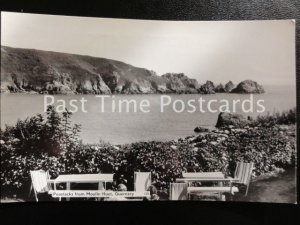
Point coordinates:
pixel 45 72
pixel 29 70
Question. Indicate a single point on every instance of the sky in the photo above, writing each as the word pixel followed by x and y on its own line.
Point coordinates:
pixel 219 51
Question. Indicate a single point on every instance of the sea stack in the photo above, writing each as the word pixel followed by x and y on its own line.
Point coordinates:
pixel 228 87
pixel 207 88
pixel 248 87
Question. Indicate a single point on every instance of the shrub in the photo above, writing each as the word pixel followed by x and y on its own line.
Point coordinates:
pixel 268 147
pixel 15 167
pixel 52 134
pixel 286 117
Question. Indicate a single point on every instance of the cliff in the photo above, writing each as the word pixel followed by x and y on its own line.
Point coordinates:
pixel 45 72
pixel 29 70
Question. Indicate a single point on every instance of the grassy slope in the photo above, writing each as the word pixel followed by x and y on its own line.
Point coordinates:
pixel 278 188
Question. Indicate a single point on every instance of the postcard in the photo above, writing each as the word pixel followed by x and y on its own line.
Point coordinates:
pixel 103 109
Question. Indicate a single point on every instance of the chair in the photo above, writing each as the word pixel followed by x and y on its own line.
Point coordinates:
pixel 178 191
pixel 40 182
pixel 142 181
pixel 242 174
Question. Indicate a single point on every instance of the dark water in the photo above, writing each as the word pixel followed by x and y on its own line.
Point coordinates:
pixel 119 128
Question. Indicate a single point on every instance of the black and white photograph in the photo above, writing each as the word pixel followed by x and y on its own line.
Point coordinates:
pixel 107 109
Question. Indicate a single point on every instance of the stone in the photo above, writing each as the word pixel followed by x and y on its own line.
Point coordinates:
pixel 192 139
pixel 201 129
pixel 235 119
pixel 116 148
pixel 173 147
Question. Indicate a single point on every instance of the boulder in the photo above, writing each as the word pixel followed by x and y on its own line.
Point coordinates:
pixel 231 119
pixel 248 87
pixel 201 129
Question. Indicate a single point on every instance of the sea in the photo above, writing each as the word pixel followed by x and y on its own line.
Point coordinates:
pixel 161 121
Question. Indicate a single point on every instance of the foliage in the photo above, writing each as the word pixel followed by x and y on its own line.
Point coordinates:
pixel 287 118
pixel 269 147
pixel 52 135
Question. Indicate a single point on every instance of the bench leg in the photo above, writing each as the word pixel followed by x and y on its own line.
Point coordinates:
pixel 220 184
pixel 247 189
pixel 68 187
pixel 35 195
pixel 223 198
pixel 100 187
pixel 30 190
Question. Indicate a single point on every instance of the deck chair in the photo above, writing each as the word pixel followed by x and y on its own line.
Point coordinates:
pixel 178 191
pixel 40 182
pixel 142 181
pixel 242 174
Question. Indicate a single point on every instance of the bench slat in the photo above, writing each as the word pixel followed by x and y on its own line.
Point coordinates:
pixel 201 179
pixel 212 189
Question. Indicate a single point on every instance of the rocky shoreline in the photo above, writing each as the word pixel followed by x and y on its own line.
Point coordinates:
pixel 42 72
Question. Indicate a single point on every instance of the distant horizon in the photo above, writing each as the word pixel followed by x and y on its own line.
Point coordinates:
pixel 219 51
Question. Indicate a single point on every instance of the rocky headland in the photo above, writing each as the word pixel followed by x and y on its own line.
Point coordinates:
pixel 44 72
